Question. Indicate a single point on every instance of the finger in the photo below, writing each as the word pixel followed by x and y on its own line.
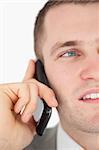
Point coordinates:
pixel 48 95
pixel 30 70
pixel 31 106
pixel 32 125
pixel 45 92
pixel 24 97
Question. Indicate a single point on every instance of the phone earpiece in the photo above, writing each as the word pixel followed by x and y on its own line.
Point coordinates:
pixel 40 73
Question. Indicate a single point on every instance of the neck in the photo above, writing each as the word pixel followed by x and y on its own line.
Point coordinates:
pixel 88 141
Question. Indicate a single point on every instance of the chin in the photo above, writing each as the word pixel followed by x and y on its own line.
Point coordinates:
pixel 90 127
pixel 95 120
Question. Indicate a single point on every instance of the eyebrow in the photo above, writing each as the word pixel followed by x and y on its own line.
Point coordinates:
pixel 58 45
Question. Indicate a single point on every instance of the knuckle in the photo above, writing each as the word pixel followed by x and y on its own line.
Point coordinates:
pixel 34 87
pixel 24 86
pixel 46 90
pixel 50 92
pixel 44 87
pixel 26 100
pixel 30 81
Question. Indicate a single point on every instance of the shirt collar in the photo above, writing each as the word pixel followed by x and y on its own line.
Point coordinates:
pixel 65 142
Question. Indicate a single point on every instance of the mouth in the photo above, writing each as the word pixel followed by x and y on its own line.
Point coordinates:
pixel 90 96
pixel 93 101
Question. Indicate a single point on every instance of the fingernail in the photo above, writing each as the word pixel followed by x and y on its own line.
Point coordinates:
pixel 21 112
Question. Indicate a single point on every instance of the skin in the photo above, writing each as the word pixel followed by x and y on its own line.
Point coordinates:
pixel 71 76
pixel 68 76
pixel 18 130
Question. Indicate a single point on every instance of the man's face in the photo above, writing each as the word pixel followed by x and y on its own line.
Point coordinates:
pixel 71 59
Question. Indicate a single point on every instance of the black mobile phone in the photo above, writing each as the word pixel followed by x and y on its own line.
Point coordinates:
pixel 47 111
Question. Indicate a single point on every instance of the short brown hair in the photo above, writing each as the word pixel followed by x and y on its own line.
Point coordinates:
pixel 39 23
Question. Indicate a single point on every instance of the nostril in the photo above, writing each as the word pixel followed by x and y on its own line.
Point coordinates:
pixel 87 76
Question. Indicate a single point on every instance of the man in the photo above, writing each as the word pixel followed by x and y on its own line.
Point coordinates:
pixel 66 41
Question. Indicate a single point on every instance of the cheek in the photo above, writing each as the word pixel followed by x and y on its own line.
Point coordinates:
pixel 61 76
pixel 70 110
pixel 63 80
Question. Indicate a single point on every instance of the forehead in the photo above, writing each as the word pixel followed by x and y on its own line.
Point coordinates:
pixel 70 20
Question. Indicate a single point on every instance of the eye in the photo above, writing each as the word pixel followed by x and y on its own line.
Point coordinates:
pixel 71 53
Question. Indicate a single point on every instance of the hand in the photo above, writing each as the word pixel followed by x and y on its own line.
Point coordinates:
pixel 17 131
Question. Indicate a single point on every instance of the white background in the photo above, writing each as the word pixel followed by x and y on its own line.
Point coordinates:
pixel 16 40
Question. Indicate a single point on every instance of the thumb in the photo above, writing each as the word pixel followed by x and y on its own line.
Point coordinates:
pixel 30 71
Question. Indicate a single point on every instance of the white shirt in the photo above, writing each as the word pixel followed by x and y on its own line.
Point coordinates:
pixel 65 142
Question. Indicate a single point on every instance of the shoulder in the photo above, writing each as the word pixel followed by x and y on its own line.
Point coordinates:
pixel 47 141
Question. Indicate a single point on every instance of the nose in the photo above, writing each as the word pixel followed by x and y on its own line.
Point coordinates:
pixel 90 69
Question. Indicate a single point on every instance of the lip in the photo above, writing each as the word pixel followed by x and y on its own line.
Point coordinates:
pixel 89 91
